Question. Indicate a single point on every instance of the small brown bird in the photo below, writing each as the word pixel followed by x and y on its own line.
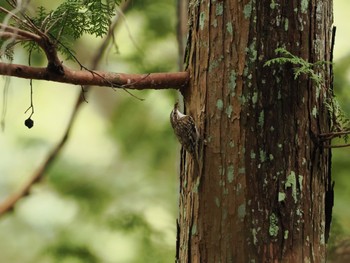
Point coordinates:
pixel 186 131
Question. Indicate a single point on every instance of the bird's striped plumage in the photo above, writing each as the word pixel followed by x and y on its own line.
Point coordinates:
pixel 185 130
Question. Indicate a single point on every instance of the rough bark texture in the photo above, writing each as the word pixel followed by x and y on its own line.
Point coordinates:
pixel 261 192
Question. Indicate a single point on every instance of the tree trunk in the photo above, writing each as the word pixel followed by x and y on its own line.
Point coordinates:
pixel 263 190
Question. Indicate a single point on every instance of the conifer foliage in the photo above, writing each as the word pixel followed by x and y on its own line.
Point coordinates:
pixel 68 22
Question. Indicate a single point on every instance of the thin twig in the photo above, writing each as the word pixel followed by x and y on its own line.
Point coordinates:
pixel 97 57
pixel 337 145
pixel 4 103
pixel 9 203
pixel 15 17
pixel 19 32
pixel 331 135
pixel 40 37
pixel 121 13
pixel 6 35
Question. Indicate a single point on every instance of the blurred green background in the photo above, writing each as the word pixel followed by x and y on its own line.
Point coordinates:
pixel 111 196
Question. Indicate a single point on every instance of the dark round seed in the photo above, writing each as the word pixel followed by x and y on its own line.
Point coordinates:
pixel 29 123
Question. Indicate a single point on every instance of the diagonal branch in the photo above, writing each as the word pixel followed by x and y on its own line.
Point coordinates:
pixel 10 202
pixel 131 81
pixel 176 80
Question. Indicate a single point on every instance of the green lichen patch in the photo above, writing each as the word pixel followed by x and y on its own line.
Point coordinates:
pixel 232 144
pixel 281 196
pixel 229 28
pixel 314 111
pixel 255 97
pixel 219 104
pixel 228 111
pixel 215 63
pixel 232 83
pixel 273 4
pixel 252 154
pixel 304 6
pixel 196 185
pixel 219 9
pixel 217 201
pixel 254 234
pixel 202 19
pixel 241 170
pixel 261 119
pixel 300 179
pixel 262 155
pixel 273 227
pixel 286 24
pixel 252 51
pixel 194 230
pixel 241 211
pixel 292 183
pixel 247 11
pixel 230 173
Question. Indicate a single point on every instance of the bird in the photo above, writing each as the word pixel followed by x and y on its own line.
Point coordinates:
pixel 185 130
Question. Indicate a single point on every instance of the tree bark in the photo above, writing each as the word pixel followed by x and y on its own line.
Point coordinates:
pixel 263 190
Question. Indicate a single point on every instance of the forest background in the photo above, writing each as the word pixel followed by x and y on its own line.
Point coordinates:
pixel 112 193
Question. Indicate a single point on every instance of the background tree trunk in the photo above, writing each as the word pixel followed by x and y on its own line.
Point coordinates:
pixel 263 192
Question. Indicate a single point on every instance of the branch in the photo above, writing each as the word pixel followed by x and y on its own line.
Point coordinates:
pixel 331 135
pixel 133 81
pixel 10 202
pixel 176 80
pixel 337 145
pixel 54 64
pixel 55 71
pixel 19 33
